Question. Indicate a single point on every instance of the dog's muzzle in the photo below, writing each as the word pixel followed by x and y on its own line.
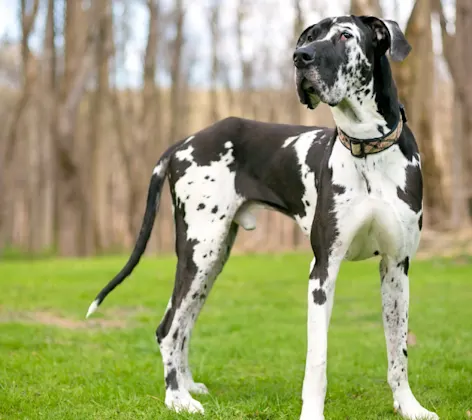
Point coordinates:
pixel 304 57
pixel 306 90
pixel 303 60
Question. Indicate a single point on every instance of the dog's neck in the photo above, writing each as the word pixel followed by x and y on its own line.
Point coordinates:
pixel 372 111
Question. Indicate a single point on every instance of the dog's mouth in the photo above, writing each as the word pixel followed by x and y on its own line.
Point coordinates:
pixel 307 92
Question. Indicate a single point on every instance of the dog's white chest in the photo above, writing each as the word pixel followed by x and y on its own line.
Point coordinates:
pixel 371 216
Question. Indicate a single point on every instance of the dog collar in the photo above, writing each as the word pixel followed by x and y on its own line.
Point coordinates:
pixel 360 147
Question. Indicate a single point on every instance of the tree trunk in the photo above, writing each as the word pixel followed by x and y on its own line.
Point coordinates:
pixel 464 94
pixel 71 199
pixel 460 67
pixel 14 124
pixel 458 191
pixel 244 62
pixel 366 7
pixel 97 213
pixel 176 70
pixel 46 193
pixel 214 12
pixel 414 77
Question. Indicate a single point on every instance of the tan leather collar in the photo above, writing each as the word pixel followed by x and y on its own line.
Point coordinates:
pixel 360 148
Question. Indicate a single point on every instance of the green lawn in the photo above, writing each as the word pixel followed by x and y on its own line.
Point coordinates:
pixel 248 346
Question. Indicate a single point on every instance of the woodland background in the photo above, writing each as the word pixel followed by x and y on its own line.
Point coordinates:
pixel 91 96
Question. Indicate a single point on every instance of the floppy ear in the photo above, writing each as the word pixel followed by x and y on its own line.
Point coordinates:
pixel 303 35
pixel 389 36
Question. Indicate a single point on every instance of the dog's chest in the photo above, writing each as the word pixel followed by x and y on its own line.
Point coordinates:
pixel 372 214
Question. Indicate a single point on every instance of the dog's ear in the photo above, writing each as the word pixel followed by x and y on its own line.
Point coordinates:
pixel 303 35
pixel 388 36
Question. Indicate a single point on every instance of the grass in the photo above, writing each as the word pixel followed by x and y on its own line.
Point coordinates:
pixel 248 346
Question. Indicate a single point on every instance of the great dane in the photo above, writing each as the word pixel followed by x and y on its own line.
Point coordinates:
pixel 356 190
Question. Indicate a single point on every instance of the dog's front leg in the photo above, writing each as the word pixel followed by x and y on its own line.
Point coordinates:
pixel 320 303
pixel 395 301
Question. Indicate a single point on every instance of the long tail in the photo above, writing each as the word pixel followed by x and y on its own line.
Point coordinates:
pixel 152 206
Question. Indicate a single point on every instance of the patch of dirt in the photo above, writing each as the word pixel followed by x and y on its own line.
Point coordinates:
pixel 49 318
pixel 411 339
pixel 445 243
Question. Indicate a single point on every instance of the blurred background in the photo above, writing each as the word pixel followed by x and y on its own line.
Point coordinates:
pixel 92 92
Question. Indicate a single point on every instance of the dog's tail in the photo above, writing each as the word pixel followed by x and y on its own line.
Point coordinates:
pixel 152 206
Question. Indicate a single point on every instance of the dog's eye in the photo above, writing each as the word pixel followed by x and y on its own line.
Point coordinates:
pixel 309 38
pixel 345 36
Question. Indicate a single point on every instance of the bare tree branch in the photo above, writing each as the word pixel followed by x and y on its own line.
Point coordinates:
pixel 27 22
pixel 448 40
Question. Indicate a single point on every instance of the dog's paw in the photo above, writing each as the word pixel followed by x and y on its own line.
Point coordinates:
pixel 311 417
pixel 181 401
pixel 414 411
pixel 311 414
pixel 197 388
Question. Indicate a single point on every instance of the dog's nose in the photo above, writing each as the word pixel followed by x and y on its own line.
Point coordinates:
pixel 303 56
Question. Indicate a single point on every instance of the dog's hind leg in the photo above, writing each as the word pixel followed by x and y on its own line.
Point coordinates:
pixel 395 301
pixel 199 263
pixel 190 384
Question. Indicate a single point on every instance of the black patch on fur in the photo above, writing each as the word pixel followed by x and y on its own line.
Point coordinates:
pixel 171 380
pixel 405 264
pixel 214 209
pixel 201 206
pixel 420 222
pixel 324 230
pixel 413 193
pixel 367 183
pixel 176 334
pixel 186 267
pixel 405 353
pixel 382 269
pixel 183 343
pixel 265 170
pixel 319 296
pixel 164 326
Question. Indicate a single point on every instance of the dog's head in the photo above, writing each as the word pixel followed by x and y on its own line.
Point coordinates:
pixel 334 58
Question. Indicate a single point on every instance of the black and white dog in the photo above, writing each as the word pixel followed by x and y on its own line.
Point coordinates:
pixel 356 190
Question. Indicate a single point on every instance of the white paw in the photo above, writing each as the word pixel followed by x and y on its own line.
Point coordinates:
pixel 311 414
pixel 182 401
pixel 414 411
pixel 311 417
pixel 197 388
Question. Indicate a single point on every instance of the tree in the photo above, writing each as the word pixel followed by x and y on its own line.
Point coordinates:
pixel 78 66
pixel 244 62
pixel 96 175
pixel 366 7
pixel 28 13
pixel 455 48
pixel 137 138
pixel 414 77
pixel 214 17
pixel 45 102
pixel 177 50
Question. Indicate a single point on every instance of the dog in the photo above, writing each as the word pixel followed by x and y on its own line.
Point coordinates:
pixel 356 190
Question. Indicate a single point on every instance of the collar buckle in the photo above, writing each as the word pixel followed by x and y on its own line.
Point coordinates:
pixel 357 148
